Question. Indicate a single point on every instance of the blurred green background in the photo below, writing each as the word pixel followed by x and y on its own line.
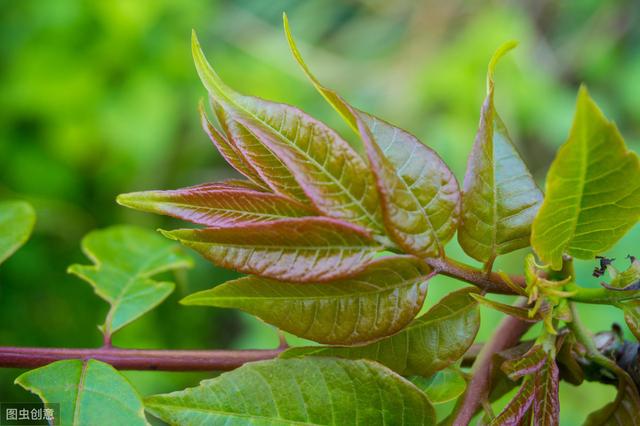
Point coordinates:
pixel 99 97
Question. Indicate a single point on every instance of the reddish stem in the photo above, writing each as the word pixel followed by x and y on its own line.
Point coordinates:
pixel 489 282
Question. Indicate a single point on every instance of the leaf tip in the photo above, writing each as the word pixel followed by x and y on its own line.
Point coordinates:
pixel 497 55
pixel 168 234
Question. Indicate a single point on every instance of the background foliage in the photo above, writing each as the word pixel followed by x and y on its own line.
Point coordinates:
pixel 99 98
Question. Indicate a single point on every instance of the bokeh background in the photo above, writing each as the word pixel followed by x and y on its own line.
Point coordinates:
pixel 99 98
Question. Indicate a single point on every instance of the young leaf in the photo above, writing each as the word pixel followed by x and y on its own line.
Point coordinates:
pixel 518 407
pixel 378 302
pixel 89 393
pixel 431 343
pixel 592 190
pixel 332 175
pixel 300 250
pixel 444 386
pixel 125 258
pixel 216 205
pixel 546 405
pixel 16 223
pixel 499 198
pixel 420 196
pixel 623 411
pixel 631 311
pixel 627 280
pixel 514 311
pixel 529 363
pixel 309 391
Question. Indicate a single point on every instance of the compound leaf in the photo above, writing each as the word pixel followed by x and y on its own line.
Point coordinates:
pixel 444 386
pixel 89 393
pixel 310 391
pixel 125 258
pixel 301 250
pixel 592 190
pixel 16 223
pixel 431 343
pixel 500 198
pixel 377 302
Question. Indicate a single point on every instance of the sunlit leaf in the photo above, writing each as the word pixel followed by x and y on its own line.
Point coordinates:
pixel 444 386
pixel 333 176
pixel 309 391
pixel 500 198
pixel 16 223
pixel 592 190
pixel 420 195
pixel 431 343
pixel 300 250
pixel 125 258
pixel 89 393
pixel 378 302
pixel 216 205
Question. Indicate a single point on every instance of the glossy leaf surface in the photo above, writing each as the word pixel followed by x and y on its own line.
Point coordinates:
pixel 500 198
pixel 16 223
pixel 89 393
pixel 592 190
pixel 125 260
pixel 431 343
pixel 300 250
pixel 444 386
pixel 319 391
pixel 216 205
pixel 376 303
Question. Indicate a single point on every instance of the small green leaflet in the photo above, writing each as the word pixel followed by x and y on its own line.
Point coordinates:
pixel 444 386
pixel 16 223
pixel 500 198
pixel 431 343
pixel 378 302
pixel 309 391
pixel 89 393
pixel 592 191
pixel 125 258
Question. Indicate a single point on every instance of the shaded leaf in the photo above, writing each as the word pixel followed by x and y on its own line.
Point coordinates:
pixel 16 223
pixel 500 198
pixel 300 250
pixel 570 369
pixel 631 311
pixel 431 343
pixel 310 391
pixel 623 411
pixel 330 172
pixel 592 190
pixel 444 386
pixel 378 302
pixel 125 258
pixel 89 393
pixel 420 195
pixel 216 205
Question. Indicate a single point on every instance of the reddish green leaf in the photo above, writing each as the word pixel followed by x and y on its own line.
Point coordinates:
pixel 216 205
pixel 632 316
pixel 500 198
pixel 529 363
pixel 378 302
pixel 623 411
pixel 333 176
pixel 514 311
pixel 300 250
pixel 518 407
pixel 420 195
pixel 546 405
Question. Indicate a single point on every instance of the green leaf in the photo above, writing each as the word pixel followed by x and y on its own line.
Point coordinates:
pixel 310 391
pixel 627 280
pixel 514 311
pixel 16 223
pixel 300 250
pixel 378 302
pixel 592 190
pixel 431 343
pixel 420 196
pixel 89 393
pixel 216 205
pixel 333 176
pixel 500 198
pixel 125 258
pixel 444 386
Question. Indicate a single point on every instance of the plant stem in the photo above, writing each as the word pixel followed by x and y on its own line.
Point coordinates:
pixel 137 359
pixel 489 282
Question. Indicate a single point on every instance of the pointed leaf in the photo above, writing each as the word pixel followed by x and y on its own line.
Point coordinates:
pixel 300 250
pixel 500 198
pixel 518 407
pixel 125 258
pixel 216 205
pixel 311 391
pixel 378 302
pixel 529 363
pixel 514 311
pixel 546 405
pixel 16 223
pixel 419 194
pixel 592 190
pixel 332 175
pixel 431 343
pixel 89 393
pixel 444 386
